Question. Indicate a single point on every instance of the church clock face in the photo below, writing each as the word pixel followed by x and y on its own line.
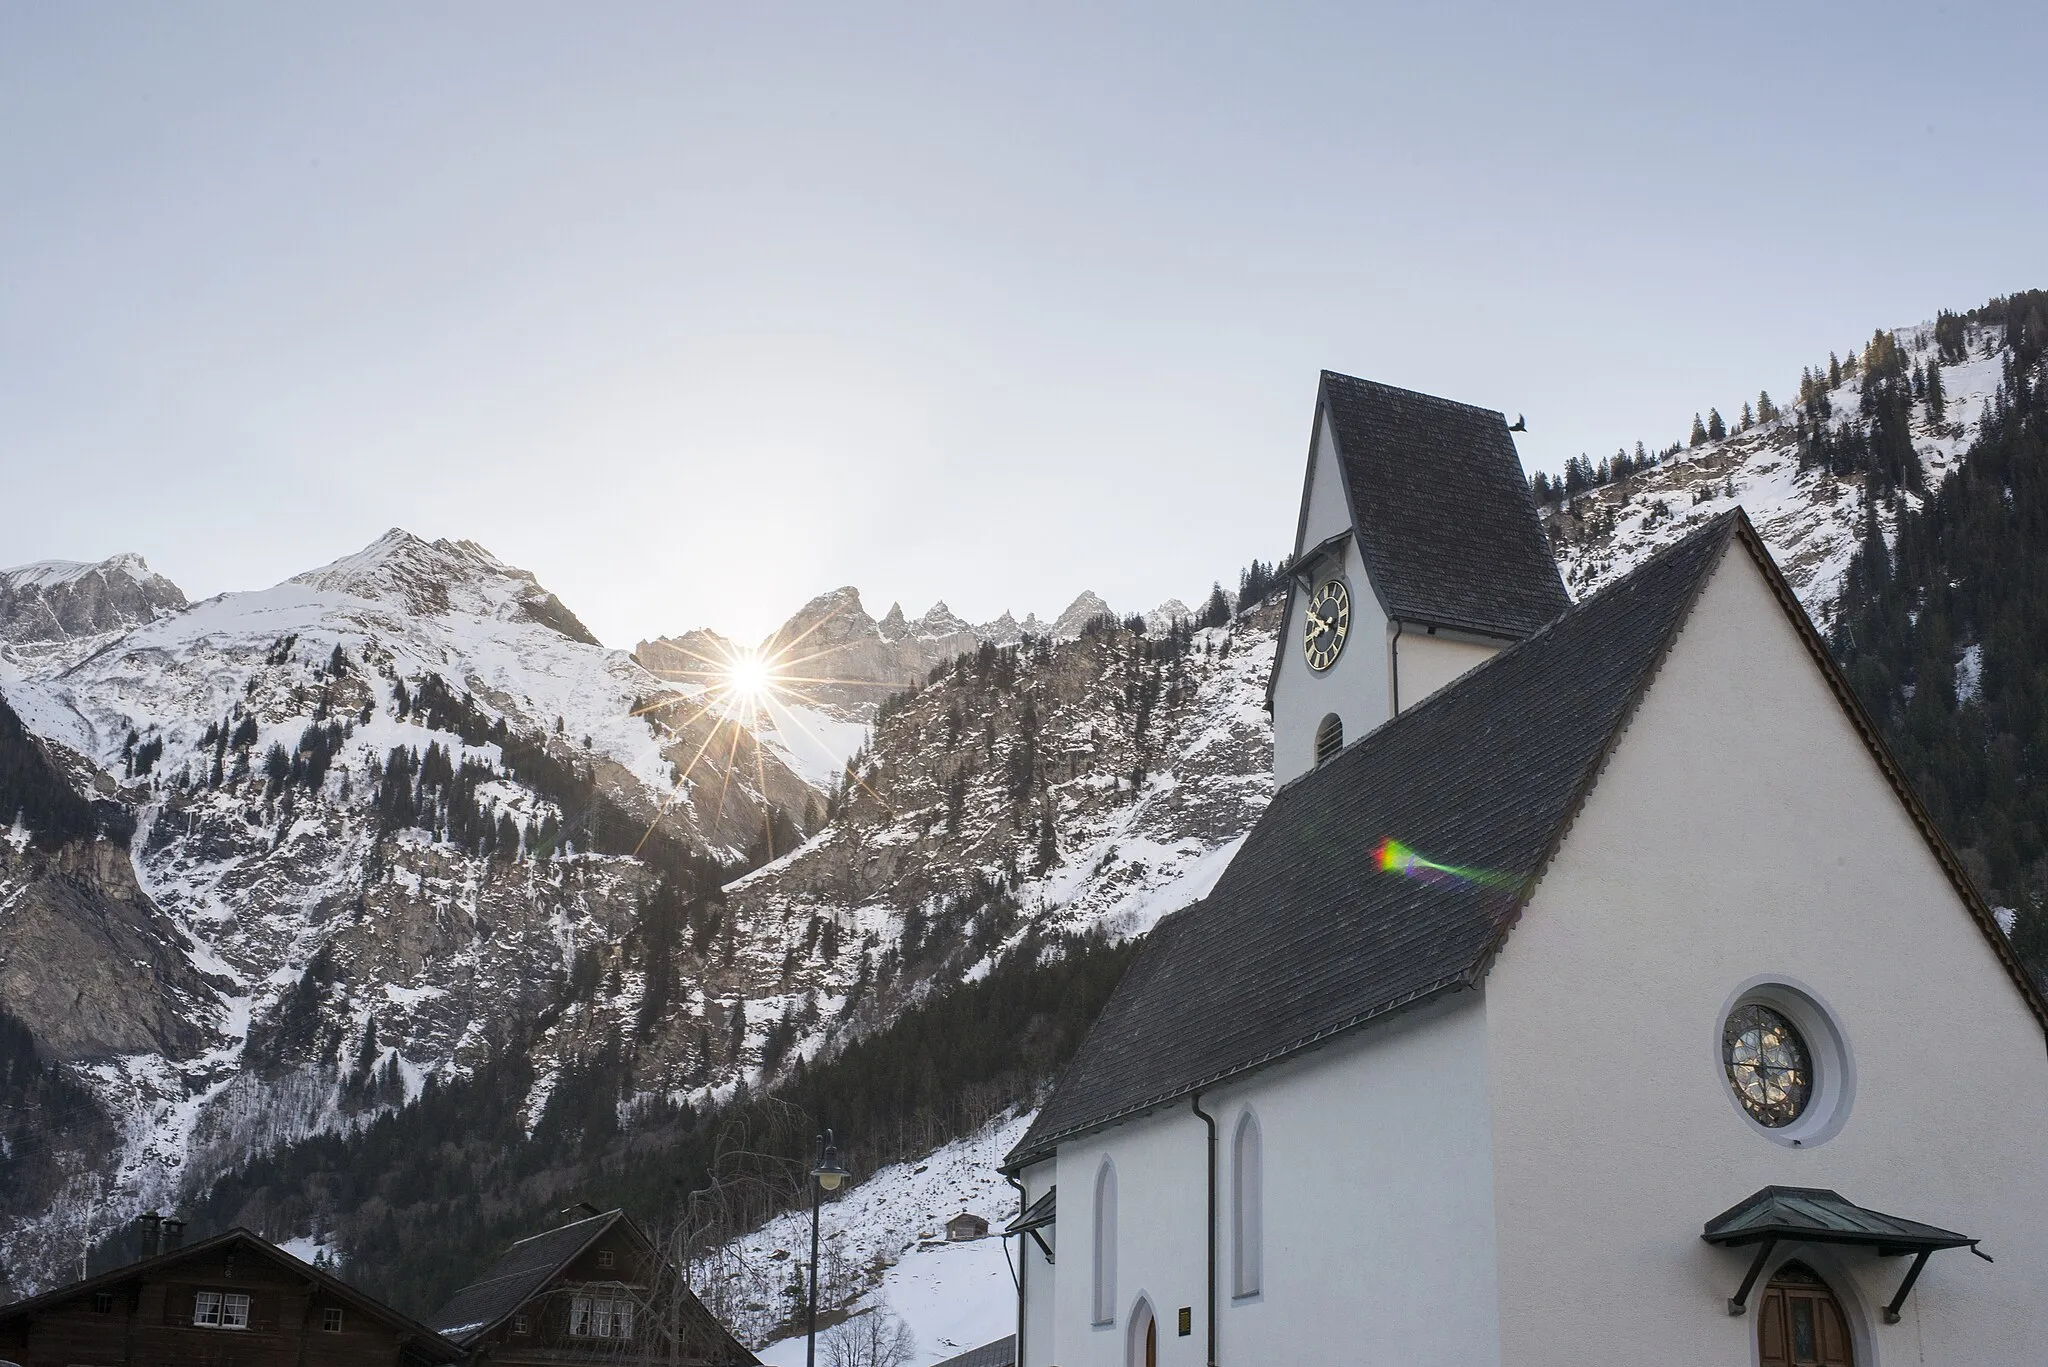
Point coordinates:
pixel 1329 622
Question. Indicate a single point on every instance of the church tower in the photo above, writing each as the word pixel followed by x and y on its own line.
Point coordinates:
pixel 1418 554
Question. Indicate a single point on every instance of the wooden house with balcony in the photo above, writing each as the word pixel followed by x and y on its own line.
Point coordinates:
pixel 594 1290
pixel 233 1299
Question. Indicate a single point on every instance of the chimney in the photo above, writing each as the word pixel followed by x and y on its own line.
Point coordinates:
pixel 150 1227
pixel 174 1234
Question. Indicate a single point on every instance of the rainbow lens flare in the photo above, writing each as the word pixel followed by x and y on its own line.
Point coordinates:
pixel 1394 857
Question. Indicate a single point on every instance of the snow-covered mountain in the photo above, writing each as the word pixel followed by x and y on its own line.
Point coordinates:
pixel 379 808
pixel 56 612
pixel 1811 517
pixel 834 655
pixel 401 812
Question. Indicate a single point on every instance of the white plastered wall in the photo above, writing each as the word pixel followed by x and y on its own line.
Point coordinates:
pixel 1356 687
pixel 1160 1177
pixel 1378 1218
pixel 1741 830
pixel 1037 1276
pixel 1423 662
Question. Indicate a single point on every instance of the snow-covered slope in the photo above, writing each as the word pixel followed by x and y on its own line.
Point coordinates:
pixel 883 1246
pixel 55 612
pixel 305 918
pixel 1810 519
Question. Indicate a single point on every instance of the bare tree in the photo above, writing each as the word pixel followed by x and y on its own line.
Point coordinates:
pixel 878 1338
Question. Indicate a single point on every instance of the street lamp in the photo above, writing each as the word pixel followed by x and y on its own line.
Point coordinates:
pixel 825 1177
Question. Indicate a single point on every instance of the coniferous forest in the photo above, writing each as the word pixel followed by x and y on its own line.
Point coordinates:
pixel 1945 636
pixel 1942 630
pixel 428 1195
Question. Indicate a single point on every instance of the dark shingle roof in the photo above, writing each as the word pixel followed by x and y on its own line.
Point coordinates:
pixel 1043 1211
pixel 531 1264
pixel 1001 1353
pixel 421 1342
pixel 1816 1215
pixel 515 1278
pixel 1446 520
pixel 1305 935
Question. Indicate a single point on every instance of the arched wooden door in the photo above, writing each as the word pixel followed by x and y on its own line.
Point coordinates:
pixel 1144 1340
pixel 1801 1324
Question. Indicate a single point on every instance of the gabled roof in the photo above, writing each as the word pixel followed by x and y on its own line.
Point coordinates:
pixel 517 1277
pixel 537 1260
pixel 1306 935
pixel 418 1336
pixel 1001 1353
pixel 1447 523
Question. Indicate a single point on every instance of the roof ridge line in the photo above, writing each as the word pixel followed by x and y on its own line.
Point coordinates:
pixel 1722 526
pixel 558 1229
pixel 1466 680
pixel 1417 393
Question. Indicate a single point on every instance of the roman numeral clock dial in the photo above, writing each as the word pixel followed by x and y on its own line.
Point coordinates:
pixel 1329 622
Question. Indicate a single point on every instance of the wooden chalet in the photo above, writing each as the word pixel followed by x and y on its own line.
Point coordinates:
pixel 593 1290
pixel 235 1300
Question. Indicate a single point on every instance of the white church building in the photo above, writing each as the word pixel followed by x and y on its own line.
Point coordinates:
pixel 1595 989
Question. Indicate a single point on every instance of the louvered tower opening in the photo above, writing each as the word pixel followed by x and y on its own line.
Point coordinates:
pixel 1329 737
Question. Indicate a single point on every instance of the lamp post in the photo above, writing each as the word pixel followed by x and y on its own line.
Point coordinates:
pixel 825 1177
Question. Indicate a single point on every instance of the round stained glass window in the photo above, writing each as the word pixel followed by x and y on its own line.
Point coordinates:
pixel 1768 1064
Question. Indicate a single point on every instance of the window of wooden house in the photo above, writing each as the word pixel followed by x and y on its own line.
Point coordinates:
pixel 330 1319
pixel 520 1326
pixel 605 1257
pixel 103 1302
pixel 601 1317
pixel 220 1310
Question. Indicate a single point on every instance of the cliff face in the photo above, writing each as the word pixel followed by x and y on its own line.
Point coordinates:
pixel 90 964
pixel 56 602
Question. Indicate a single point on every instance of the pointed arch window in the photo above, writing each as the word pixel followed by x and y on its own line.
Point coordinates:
pixel 1105 1244
pixel 1247 1209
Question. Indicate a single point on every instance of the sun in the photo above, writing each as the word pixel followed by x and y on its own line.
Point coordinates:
pixel 749 679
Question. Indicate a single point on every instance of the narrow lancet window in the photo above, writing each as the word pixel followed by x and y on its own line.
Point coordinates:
pixel 1105 1244
pixel 1247 1210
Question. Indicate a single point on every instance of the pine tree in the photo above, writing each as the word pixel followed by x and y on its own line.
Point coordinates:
pixel 1699 432
pixel 1717 430
pixel 1937 401
pixel 1834 371
pixel 1766 411
pixel 1748 418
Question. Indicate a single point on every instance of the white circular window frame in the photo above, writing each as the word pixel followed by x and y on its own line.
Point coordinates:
pixel 1827 1048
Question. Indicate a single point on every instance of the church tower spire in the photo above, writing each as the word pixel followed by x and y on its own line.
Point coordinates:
pixel 1418 554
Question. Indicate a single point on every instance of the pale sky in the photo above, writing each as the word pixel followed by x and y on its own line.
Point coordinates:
pixel 697 311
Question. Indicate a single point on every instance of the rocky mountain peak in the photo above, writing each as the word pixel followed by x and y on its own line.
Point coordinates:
pixel 435 578
pixel 892 625
pixel 829 621
pixel 1003 631
pixel 1166 614
pixel 59 601
pixel 1084 609
pixel 940 620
